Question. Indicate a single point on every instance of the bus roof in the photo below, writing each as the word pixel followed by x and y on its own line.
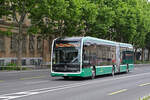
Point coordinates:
pixel 125 45
pixel 108 42
pixel 95 40
pixel 99 41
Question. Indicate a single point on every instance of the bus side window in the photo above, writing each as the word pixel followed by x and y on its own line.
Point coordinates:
pixel 85 56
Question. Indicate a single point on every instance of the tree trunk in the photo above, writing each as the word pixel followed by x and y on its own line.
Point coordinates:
pixel 50 45
pixel 43 50
pixel 135 55
pixel 50 41
pixel 19 53
pixel 142 54
pixel 148 54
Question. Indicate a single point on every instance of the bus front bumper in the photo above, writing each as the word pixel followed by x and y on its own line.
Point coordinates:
pixel 86 72
pixel 60 74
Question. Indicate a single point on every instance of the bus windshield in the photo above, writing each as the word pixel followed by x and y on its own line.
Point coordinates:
pixel 66 52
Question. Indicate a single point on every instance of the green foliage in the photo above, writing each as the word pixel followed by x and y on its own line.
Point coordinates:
pixel 63 17
pixel 12 66
pixel 4 10
pixel 118 20
pixel 104 19
pixel 123 21
pixel 142 28
pixel 145 98
pixel 147 40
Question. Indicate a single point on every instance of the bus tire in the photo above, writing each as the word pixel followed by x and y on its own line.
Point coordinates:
pixel 93 73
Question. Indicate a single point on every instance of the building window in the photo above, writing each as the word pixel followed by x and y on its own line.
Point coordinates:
pixel 13 44
pixel 32 62
pixel 23 62
pixel 39 61
pixel 39 44
pixel 31 43
pixel 2 43
pixel 2 62
pixel 13 61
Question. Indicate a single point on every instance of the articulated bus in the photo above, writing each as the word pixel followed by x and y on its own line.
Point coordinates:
pixel 89 57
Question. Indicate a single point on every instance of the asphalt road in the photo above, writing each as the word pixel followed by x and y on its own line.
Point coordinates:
pixel 38 85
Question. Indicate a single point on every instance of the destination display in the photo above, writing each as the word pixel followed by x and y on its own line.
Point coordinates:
pixel 67 45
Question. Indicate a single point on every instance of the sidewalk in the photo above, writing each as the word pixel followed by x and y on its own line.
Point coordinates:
pixel 30 69
pixel 43 68
pixel 35 70
pixel 141 65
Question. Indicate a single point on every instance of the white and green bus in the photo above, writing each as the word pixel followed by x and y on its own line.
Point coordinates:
pixel 89 57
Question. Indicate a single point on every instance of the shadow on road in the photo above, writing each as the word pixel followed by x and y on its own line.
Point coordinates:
pixel 86 78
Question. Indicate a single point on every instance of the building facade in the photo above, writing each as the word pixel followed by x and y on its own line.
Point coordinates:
pixel 35 50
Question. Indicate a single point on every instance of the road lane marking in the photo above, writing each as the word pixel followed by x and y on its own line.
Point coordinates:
pixel 29 78
pixel 120 91
pixel 29 93
pixel 144 84
pixel 51 89
pixel 36 82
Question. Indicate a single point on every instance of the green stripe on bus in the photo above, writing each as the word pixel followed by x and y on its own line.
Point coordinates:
pixel 103 70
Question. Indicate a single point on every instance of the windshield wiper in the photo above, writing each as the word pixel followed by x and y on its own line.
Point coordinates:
pixel 74 60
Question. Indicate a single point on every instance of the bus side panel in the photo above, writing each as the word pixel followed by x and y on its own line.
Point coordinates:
pixel 131 66
pixel 86 72
pixel 100 70
pixel 123 68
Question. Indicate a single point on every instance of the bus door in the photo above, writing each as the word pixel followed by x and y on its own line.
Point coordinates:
pixel 118 57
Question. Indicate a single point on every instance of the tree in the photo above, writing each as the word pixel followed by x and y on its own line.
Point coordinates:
pixel 47 19
pixel 3 8
pixel 62 18
pixel 89 13
pixel 143 25
pixel 104 20
pixel 147 43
